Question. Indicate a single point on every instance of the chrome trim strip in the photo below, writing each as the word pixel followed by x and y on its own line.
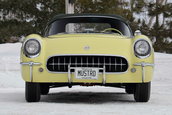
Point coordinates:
pixel 69 74
pixel 88 63
pixel 86 55
pixel 31 64
pixel 143 65
pixel 104 74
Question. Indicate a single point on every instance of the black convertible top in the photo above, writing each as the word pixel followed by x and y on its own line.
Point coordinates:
pixel 59 22
pixel 63 16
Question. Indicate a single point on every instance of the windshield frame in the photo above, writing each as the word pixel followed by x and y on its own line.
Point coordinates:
pixel 68 20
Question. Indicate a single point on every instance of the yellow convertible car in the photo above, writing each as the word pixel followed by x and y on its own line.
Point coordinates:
pixel 87 50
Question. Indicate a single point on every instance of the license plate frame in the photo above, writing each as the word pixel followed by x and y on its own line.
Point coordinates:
pixel 86 73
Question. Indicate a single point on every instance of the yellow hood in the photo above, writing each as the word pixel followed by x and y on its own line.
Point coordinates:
pixel 87 44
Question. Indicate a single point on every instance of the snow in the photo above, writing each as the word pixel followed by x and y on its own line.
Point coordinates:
pixel 81 100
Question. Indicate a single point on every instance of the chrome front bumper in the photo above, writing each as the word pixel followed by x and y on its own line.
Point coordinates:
pixel 31 64
pixel 143 65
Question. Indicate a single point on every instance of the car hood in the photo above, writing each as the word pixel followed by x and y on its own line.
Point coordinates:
pixel 87 44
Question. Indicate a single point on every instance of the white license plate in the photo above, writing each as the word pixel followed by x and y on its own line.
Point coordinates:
pixel 86 73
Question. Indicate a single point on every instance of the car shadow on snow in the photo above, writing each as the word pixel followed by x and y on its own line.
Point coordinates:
pixel 87 97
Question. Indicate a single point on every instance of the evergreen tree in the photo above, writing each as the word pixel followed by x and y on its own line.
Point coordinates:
pixel 160 10
pixel 119 7
pixel 152 17
pixel 23 17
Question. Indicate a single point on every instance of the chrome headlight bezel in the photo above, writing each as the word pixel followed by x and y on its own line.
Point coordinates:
pixel 147 45
pixel 30 54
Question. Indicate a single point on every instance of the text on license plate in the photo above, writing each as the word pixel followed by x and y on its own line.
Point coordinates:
pixel 86 73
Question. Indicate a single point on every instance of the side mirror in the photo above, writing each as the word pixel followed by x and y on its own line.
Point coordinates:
pixel 137 32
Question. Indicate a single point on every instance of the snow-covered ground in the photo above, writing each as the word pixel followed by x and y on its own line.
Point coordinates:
pixel 81 100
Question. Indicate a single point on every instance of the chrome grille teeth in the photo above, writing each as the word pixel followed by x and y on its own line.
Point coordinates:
pixel 64 63
pixel 98 61
pixel 53 63
pixel 81 62
pixel 111 63
pixel 58 62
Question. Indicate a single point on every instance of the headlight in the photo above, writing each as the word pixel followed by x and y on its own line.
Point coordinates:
pixel 142 48
pixel 32 48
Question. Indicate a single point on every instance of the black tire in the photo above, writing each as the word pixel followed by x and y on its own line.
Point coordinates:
pixel 44 89
pixel 142 92
pixel 32 92
pixel 129 88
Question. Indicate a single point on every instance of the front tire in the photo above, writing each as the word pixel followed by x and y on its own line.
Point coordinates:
pixel 142 92
pixel 32 92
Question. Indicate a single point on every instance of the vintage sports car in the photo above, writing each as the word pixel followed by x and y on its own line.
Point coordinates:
pixel 87 50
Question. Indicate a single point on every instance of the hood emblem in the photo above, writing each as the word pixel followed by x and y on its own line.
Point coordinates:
pixel 86 47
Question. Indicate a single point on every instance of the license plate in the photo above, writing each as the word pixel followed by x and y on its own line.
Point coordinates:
pixel 86 73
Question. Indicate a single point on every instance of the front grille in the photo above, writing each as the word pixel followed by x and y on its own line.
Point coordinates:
pixel 112 63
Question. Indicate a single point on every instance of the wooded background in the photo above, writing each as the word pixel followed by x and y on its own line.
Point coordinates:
pixel 19 18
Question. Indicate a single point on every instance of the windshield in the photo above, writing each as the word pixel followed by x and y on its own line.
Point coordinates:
pixel 88 25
